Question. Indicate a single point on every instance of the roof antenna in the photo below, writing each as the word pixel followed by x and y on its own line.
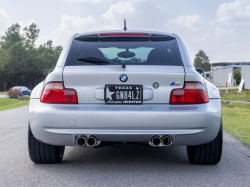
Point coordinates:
pixel 125 28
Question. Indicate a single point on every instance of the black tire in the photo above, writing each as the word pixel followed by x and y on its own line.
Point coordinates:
pixel 42 153
pixel 207 154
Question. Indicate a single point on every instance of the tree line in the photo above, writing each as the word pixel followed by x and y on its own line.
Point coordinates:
pixel 21 62
pixel 24 64
pixel 202 61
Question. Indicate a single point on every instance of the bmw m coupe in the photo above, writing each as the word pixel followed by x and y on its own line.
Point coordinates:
pixel 121 87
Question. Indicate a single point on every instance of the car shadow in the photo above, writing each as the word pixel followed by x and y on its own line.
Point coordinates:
pixel 125 165
pixel 125 155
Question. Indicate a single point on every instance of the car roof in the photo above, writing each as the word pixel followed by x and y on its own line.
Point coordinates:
pixel 97 33
pixel 66 48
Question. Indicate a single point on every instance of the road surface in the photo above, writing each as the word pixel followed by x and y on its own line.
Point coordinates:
pixel 131 166
pixel 3 95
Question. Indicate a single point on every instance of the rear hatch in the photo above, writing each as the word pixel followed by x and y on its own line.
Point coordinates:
pixel 153 68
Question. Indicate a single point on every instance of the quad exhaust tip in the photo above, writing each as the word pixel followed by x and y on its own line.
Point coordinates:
pixel 157 141
pixel 85 141
pixel 81 141
pixel 166 140
pixel 91 141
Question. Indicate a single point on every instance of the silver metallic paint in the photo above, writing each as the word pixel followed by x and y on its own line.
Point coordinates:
pixel 184 53
pixel 36 92
pixel 62 59
pixel 85 79
pixel 187 124
pixel 55 76
pixel 213 92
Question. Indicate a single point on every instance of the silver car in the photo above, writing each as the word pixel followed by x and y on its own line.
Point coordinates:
pixel 125 87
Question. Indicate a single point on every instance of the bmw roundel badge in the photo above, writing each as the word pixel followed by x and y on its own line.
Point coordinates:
pixel 123 78
pixel 155 85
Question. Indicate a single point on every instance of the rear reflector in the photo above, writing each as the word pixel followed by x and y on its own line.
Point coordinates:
pixel 54 92
pixel 192 93
pixel 124 34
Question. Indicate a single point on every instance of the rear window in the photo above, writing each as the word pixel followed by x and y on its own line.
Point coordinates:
pixel 130 51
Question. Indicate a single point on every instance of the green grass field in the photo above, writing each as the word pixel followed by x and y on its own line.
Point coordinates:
pixel 3 92
pixel 236 121
pixel 233 96
pixel 7 103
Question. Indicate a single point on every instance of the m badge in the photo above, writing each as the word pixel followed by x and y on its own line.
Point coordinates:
pixel 175 84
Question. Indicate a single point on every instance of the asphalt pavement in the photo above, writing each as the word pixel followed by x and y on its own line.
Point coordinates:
pixel 119 166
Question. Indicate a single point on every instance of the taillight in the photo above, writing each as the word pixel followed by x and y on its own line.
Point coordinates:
pixel 192 93
pixel 54 92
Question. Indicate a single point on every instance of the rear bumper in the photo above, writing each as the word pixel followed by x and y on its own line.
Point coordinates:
pixel 59 124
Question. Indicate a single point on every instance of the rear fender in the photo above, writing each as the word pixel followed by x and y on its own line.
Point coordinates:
pixel 193 76
pixel 35 94
pixel 54 76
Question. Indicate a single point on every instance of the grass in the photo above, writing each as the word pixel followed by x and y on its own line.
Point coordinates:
pixel 236 121
pixel 3 92
pixel 7 103
pixel 233 96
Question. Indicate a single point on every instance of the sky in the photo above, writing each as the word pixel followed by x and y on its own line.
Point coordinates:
pixel 221 28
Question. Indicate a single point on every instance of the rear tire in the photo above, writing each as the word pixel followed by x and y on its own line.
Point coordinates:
pixel 207 154
pixel 42 153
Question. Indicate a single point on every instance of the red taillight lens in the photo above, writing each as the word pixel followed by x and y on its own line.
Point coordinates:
pixel 54 92
pixel 124 34
pixel 192 93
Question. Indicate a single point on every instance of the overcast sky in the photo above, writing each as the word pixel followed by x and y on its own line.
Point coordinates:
pixel 219 27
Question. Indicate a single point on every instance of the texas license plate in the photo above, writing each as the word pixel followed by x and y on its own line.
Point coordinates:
pixel 120 94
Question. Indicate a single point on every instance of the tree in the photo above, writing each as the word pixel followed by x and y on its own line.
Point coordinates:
pixel 3 76
pixel 11 55
pixel 48 56
pixel 31 68
pixel 15 58
pixel 21 61
pixel 12 36
pixel 237 76
pixel 202 61
pixel 31 35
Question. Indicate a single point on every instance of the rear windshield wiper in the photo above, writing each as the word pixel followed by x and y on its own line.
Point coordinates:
pixel 97 60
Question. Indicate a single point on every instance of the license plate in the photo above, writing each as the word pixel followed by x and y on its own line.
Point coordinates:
pixel 121 94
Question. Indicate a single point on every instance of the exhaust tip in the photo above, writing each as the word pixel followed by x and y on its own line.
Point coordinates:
pixel 91 141
pixel 81 141
pixel 156 141
pixel 166 141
